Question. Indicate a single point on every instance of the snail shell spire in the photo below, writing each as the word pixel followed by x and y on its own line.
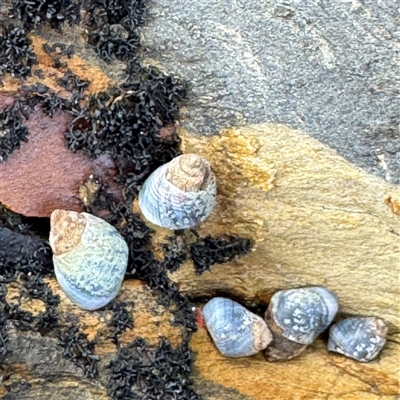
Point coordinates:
pixel 361 338
pixel 236 331
pixel 179 194
pixel 303 313
pixel 89 256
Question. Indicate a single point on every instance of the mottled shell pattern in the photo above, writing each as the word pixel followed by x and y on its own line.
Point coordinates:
pixel 303 313
pixel 361 338
pixel 236 331
pixel 89 256
pixel 179 194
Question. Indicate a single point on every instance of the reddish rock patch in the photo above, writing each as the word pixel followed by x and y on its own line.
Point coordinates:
pixel 44 174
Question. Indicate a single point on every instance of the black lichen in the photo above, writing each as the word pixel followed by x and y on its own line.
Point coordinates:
pixel 12 132
pixel 55 12
pixel 3 333
pixel 111 42
pixel 16 54
pixel 129 13
pixel 35 288
pixel 59 49
pixel 79 350
pixel 73 84
pixel 208 251
pixel 175 252
pixel 126 124
pixel 141 371
pixel 121 320
pixel 112 27
pixel 56 51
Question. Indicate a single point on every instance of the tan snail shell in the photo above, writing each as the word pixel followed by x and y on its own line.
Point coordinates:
pixel 236 331
pixel 179 194
pixel 89 256
pixel 361 338
pixel 296 317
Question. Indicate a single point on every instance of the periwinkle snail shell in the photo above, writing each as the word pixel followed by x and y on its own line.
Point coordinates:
pixel 179 194
pixel 361 338
pixel 89 256
pixel 303 313
pixel 236 331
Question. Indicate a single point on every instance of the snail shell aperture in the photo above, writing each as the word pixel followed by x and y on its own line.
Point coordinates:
pixel 236 331
pixel 302 314
pixel 89 256
pixel 179 194
pixel 360 338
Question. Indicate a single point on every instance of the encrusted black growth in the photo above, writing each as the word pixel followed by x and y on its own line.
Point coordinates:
pixel 56 51
pixel 35 288
pixel 120 321
pixel 60 49
pixel 12 132
pixel 73 84
pixel 112 27
pixel 35 12
pixel 3 331
pixel 175 252
pixel 207 251
pixel 141 371
pixel 126 123
pixel 24 260
pixel 16 55
pixel 78 349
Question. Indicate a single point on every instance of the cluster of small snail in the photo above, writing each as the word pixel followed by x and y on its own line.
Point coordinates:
pixel 293 320
pixel 90 259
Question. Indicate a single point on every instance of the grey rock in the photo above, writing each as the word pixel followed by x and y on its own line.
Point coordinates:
pixel 328 68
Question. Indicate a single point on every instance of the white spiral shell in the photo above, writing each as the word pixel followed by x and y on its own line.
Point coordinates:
pixel 236 331
pixel 179 194
pixel 89 256
pixel 361 338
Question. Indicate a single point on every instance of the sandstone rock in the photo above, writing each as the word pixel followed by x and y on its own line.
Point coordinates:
pixel 33 361
pixel 316 219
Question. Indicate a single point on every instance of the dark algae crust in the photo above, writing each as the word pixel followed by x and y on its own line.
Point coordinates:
pixel 16 54
pixel 12 131
pixel 207 251
pixel 128 123
pixel 78 349
pixel 160 372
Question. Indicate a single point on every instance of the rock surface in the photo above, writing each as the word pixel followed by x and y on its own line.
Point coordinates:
pixel 44 175
pixel 34 361
pixel 327 68
pixel 316 219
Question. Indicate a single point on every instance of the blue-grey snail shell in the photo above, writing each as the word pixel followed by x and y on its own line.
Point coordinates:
pixel 89 256
pixel 361 338
pixel 236 331
pixel 303 313
pixel 179 194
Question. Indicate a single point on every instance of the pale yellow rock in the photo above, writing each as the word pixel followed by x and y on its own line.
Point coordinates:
pixel 315 375
pixel 316 219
